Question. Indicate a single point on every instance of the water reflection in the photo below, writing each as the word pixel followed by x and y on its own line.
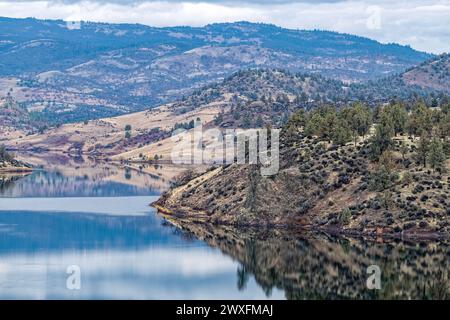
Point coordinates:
pixel 316 266
pixel 7 181
pixel 128 253
pixel 90 181
pixel 97 217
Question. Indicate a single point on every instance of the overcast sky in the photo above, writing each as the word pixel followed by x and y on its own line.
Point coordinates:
pixel 423 24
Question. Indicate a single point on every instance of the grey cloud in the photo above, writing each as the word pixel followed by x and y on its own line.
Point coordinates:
pixel 132 2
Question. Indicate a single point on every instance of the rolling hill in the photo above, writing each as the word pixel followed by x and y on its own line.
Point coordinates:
pixel 247 99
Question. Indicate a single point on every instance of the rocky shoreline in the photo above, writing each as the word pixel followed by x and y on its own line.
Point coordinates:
pixel 191 218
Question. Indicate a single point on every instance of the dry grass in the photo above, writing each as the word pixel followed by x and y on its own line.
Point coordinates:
pixel 108 135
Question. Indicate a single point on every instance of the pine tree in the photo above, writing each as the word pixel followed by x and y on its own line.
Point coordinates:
pixel 382 140
pixel 436 155
pixel 341 133
pixel 314 124
pixel 383 178
pixel 422 148
pixel 420 120
pixel 398 117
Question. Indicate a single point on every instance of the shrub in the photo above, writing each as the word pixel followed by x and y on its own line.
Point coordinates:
pixel 4 155
pixel 345 216
pixel 383 178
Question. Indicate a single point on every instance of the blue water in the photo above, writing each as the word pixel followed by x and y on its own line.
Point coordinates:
pixel 123 249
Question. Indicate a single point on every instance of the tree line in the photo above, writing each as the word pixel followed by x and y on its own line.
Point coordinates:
pixel 426 127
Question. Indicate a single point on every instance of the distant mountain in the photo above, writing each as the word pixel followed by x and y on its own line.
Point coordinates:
pixel 70 74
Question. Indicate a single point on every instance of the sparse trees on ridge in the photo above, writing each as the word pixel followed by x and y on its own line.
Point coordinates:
pixel 343 125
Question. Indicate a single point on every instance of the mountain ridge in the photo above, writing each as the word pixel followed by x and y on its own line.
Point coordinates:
pixel 102 70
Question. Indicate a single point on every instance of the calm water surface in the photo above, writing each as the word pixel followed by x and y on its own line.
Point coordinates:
pixel 100 221
pixel 103 224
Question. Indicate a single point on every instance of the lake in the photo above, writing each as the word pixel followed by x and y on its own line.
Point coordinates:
pixel 94 224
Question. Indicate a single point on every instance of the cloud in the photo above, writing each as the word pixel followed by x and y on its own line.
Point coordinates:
pixel 419 23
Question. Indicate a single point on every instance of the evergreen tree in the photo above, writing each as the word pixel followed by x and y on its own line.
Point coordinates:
pixel 420 120
pixel 422 148
pixel 382 179
pixel 358 118
pixel 382 140
pixel 314 124
pixel 341 133
pixel 436 155
pixel 397 116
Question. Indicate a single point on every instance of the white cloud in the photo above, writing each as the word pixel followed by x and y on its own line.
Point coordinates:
pixel 421 24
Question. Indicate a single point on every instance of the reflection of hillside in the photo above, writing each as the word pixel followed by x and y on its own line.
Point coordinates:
pixel 144 176
pixel 7 181
pixel 315 267
pixel 92 180
pixel 56 184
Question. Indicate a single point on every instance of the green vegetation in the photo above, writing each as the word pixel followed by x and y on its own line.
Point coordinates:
pixel 185 125
pixel 436 155
pixel 342 125
pixel 128 131
pixel 385 176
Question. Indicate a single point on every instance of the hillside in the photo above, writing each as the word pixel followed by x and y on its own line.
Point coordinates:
pixel 252 98
pixel 258 97
pixel 110 136
pixel 247 99
pixel 386 182
pixel 430 77
pixel 15 120
pixel 433 74
pixel 102 70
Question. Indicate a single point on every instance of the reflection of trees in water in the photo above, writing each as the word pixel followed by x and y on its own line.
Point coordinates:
pixel 98 183
pixel 128 174
pixel 316 266
pixel 7 182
